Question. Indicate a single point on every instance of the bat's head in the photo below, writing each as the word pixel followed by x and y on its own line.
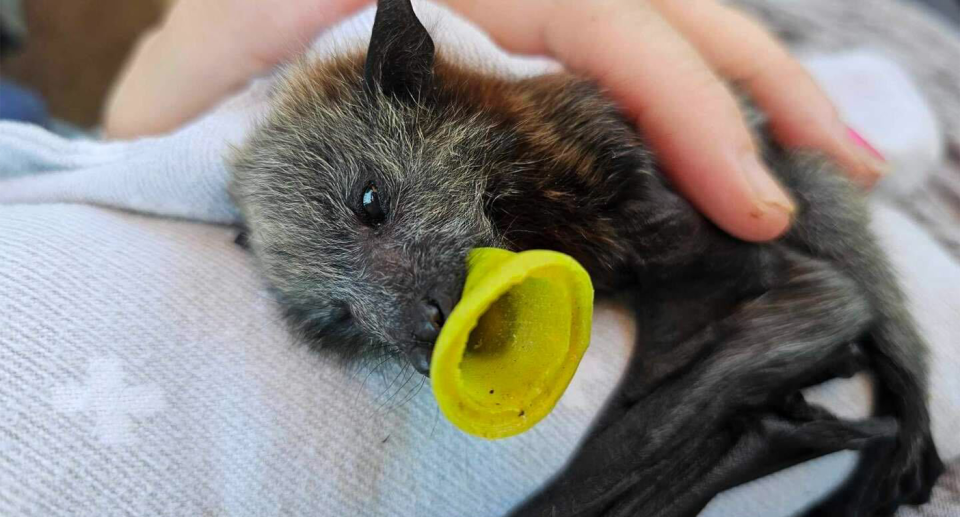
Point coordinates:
pixel 364 192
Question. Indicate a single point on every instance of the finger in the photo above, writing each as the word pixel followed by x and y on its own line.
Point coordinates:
pixel 801 115
pixel 682 108
pixel 206 49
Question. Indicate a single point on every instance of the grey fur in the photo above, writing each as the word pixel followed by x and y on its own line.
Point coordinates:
pixel 296 182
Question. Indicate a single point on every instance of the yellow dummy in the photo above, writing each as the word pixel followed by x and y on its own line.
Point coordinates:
pixel 509 348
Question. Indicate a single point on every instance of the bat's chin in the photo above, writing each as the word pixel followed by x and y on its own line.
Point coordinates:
pixel 418 355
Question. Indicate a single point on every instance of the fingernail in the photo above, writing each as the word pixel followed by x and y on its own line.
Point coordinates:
pixel 872 158
pixel 769 193
pixel 861 142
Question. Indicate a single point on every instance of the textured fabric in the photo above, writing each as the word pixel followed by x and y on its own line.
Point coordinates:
pixel 144 370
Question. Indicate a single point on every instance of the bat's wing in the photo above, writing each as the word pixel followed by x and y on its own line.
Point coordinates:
pixel 723 406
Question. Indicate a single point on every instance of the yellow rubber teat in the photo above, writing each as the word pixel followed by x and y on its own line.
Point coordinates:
pixel 509 348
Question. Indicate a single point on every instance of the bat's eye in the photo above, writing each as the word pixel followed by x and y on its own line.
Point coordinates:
pixel 372 211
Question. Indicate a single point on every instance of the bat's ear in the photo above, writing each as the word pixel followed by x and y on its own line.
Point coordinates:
pixel 400 57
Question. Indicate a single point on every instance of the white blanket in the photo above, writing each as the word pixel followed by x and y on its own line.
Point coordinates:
pixel 144 369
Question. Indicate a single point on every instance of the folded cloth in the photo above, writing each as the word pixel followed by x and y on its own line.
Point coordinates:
pixel 143 369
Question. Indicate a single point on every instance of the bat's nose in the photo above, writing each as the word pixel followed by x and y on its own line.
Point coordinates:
pixel 426 318
pixel 429 317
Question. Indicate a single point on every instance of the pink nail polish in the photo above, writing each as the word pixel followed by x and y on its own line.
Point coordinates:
pixel 862 142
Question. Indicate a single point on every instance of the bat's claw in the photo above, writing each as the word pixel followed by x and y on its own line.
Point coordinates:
pixel 911 479
pixel 888 476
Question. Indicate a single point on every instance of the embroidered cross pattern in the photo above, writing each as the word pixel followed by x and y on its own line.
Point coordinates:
pixel 113 403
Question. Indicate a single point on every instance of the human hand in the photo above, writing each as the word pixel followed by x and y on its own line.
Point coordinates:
pixel 667 62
